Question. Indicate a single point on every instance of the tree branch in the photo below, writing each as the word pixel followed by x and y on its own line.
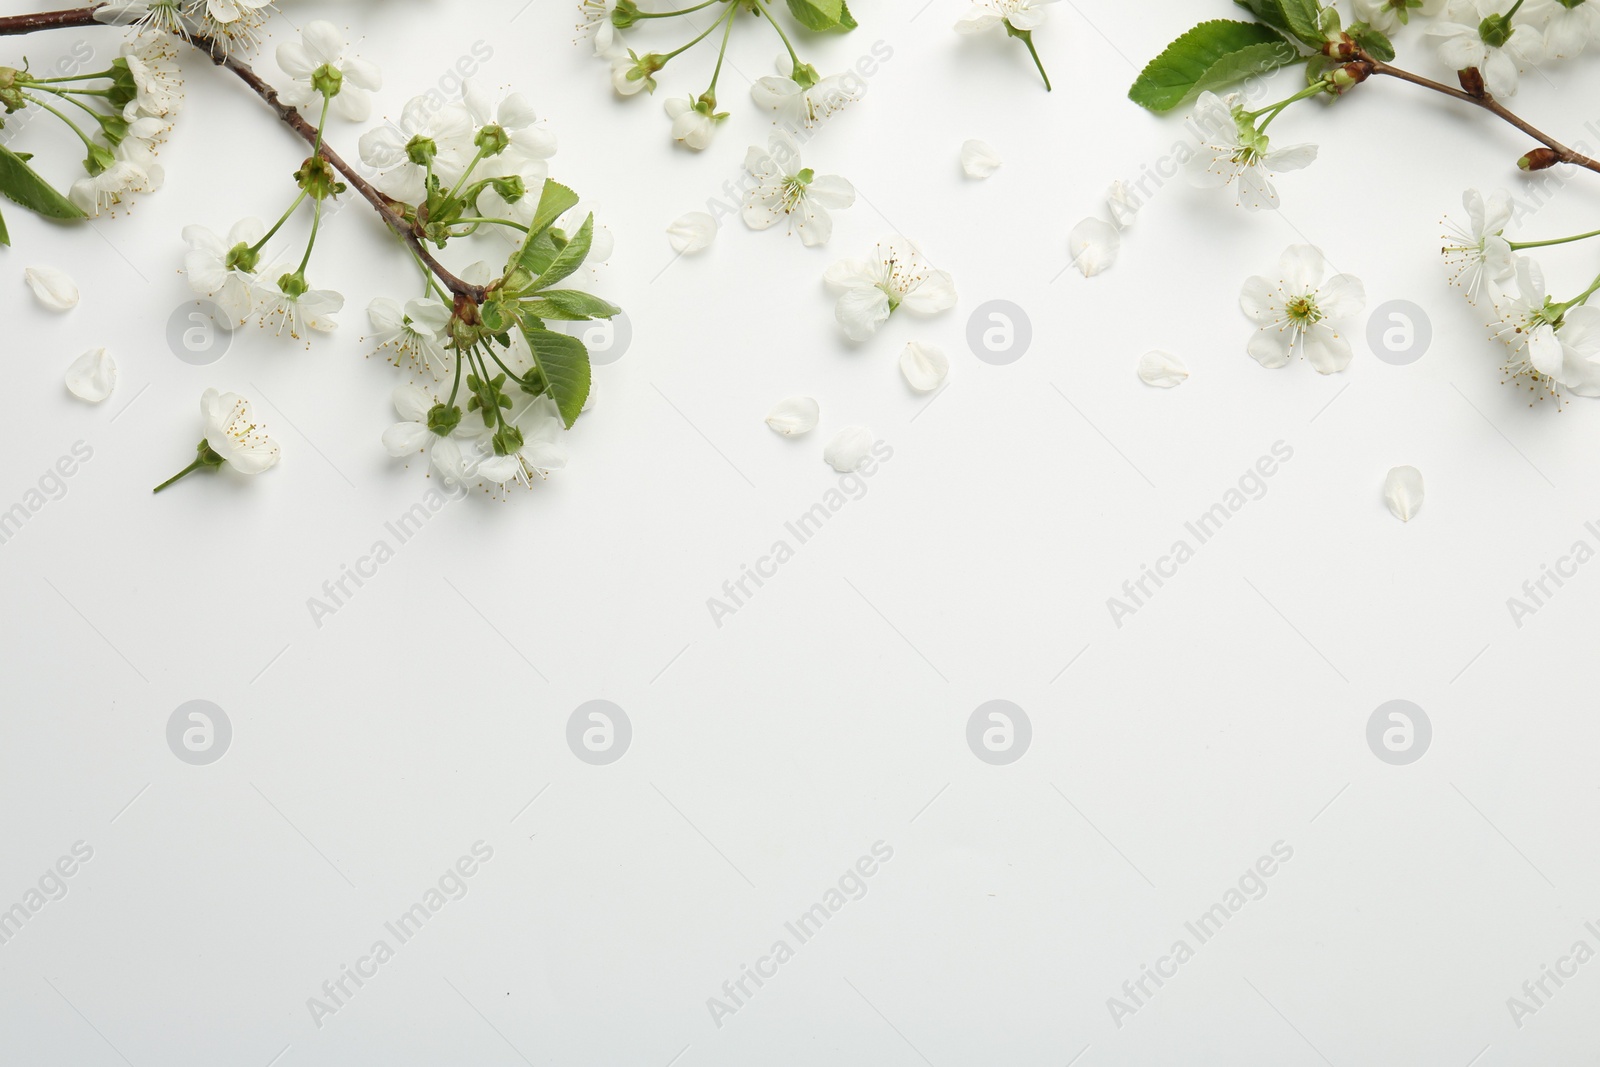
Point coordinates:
pixel 84 16
pixel 382 204
pixel 1487 103
pixel 11 25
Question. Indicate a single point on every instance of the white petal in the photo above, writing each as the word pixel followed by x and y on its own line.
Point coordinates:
pixel 924 366
pixel 692 232
pixel 796 415
pixel 54 289
pixel 1402 491
pixel 92 376
pixel 1093 245
pixel 1123 205
pixel 848 448
pixel 979 160
pixel 1162 369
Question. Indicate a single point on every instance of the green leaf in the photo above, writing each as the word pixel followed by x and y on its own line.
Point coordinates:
pixel 564 362
pixel 1374 42
pixel 21 184
pixel 1297 17
pixel 818 14
pixel 847 21
pixel 5 235
pixel 570 258
pixel 569 305
pixel 555 200
pixel 1211 55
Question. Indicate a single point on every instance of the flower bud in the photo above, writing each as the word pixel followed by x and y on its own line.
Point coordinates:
pixel 492 140
pixel 443 419
pixel 1472 82
pixel 1539 159
pixel 1347 77
pixel 327 80
pixel 421 150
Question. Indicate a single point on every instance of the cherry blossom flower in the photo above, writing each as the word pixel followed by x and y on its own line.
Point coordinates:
pixel 785 189
pixel 1475 251
pixel 896 276
pixel 1473 34
pixel 319 69
pixel 1301 312
pixel 1234 152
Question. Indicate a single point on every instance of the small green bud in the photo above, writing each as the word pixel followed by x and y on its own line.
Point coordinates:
pixel 508 441
pixel 318 178
pixel 443 419
pixel 242 257
pixel 421 150
pixel 327 80
pixel 492 140
pixel 1495 30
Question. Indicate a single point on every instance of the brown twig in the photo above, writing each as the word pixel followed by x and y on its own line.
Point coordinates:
pixel 11 25
pixel 1487 103
pixel 213 50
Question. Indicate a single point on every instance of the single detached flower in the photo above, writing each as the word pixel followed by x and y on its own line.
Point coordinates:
pixel 1473 34
pixel 232 437
pixel 1475 251
pixel 319 69
pixel 223 268
pixel 896 276
pixel 1234 152
pixel 1301 312
pixel 1554 348
pixel 786 189
pixel 1019 18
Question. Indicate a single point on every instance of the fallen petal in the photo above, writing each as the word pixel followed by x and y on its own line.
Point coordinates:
pixel 1093 245
pixel 848 448
pixel 1124 206
pixel 692 232
pixel 54 289
pixel 1402 491
pixel 979 159
pixel 796 415
pixel 92 376
pixel 924 366
pixel 1162 369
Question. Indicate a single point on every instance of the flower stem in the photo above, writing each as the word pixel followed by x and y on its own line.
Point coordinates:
pixel 674 14
pixel 276 226
pixel 679 51
pixel 316 224
pixel 723 51
pixel 1517 246
pixel 784 37
pixel 74 126
pixel 190 469
pixel 1026 36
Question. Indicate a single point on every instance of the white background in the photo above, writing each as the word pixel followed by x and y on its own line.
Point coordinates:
pixel 829 713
